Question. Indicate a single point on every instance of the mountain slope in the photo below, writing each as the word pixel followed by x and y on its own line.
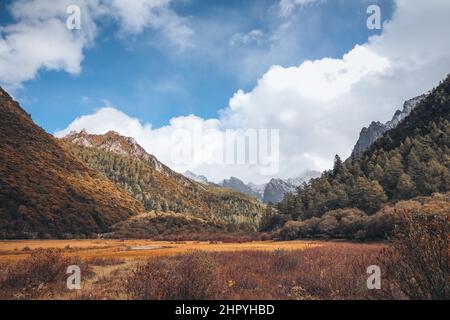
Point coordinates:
pixel 47 192
pixel 159 188
pixel 409 160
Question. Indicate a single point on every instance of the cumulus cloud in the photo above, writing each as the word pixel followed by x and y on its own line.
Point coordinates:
pixel 26 48
pixel 206 136
pixel 39 39
pixel 319 106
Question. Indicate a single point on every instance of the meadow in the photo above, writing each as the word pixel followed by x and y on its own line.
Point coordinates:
pixel 143 269
pixel 413 265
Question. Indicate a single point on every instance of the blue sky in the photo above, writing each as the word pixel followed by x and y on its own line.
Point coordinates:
pixel 310 69
pixel 148 79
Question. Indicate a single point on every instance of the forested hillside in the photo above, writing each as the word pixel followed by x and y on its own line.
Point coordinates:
pixel 411 160
pixel 163 190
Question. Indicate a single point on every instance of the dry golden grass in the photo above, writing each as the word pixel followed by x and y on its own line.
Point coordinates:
pixel 122 249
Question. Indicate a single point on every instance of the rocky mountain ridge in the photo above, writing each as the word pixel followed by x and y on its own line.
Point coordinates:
pixel 376 129
pixel 273 191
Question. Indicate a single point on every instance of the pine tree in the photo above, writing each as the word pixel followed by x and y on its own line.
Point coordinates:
pixel 405 187
pixel 338 166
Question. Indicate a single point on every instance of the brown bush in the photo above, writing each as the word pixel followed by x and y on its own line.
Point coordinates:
pixel 39 275
pixel 42 267
pixel 192 276
pixel 417 263
pixel 335 271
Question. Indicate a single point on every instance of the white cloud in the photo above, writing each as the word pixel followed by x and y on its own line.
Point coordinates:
pixel 287 6
pixel 319 106
pixel 152 14
pixel 253 36
pixel 39 40
pixel 27 48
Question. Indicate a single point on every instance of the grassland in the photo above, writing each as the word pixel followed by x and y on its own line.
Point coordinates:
pixel 134 269
pixel 139 249
pixel 164 270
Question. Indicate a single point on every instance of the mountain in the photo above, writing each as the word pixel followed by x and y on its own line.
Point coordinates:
pixel 275 190
pixel 376 129
pixel 156 186
pixel 124 146
pixel 45 191
pixel 304 177
pixel 411 159
pixel 196 178
pixel 238 185
pixel 257 189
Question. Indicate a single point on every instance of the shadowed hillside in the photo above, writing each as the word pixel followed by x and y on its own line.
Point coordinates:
pixel 45 191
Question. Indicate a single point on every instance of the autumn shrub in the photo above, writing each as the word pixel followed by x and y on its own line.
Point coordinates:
pixel 417 263
pixel 193 276
pixel 334 271
pixel 42 273
pixel 42 267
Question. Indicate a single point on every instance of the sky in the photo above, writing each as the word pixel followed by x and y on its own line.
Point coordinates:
pixel 179 75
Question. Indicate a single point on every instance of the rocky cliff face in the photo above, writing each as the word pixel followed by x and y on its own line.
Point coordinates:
pixel 376 129
pixel 368 136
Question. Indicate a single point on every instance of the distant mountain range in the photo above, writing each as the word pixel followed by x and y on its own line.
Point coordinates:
pixel 376 129
pixel 272 192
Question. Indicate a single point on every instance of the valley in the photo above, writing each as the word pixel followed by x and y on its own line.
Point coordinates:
pixel 140 249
